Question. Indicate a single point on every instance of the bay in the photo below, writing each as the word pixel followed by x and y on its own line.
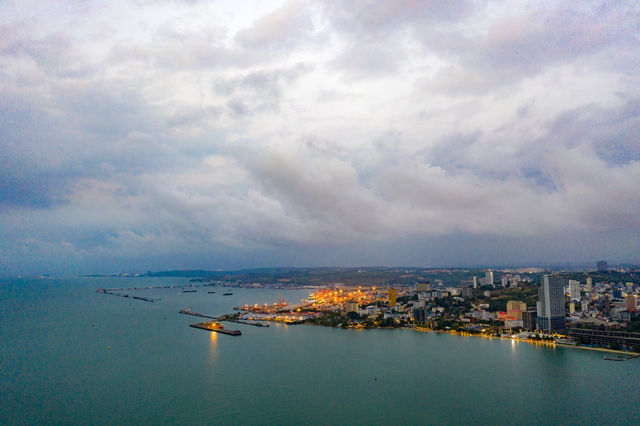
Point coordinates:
pixel 70 355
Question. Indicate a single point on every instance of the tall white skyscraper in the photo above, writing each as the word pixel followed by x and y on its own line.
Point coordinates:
pixel 475 282
pixel 488 277
pixel 550 305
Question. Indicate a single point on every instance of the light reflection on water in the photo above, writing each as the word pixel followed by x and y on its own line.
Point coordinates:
pixel 213 345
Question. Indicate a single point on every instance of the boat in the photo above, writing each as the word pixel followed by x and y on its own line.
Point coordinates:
pixel 227 294
pixel 211 292
pixel 189 291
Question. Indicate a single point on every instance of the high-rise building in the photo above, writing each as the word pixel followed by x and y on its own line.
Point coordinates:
pixel 351 306
pixel 550 305
pixel 423 286
pixel 392 297
pixel 488 277
pixel 574 289
pixel 515 309
pixel 602 266
pixel 420 315
pixel 632 303
pixel 467 292
pixel 475 282
pixel 529 319
pixel 589 287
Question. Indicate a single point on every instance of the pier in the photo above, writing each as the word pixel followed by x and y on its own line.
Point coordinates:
pixel 217 327
pixel 113 293
pixel 188 311
pixel 620 357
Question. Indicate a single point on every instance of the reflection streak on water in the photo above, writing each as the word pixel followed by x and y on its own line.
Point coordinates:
pixel 213 345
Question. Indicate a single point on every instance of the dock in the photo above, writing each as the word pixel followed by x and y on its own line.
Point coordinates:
pixel 188 311
pixel 622 357
pixel 213 326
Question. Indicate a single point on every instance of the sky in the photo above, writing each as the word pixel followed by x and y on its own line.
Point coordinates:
pixel 150 135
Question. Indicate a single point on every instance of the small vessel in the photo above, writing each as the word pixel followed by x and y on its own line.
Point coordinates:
pixel 211 292
pixel 189 291
pixel 227 294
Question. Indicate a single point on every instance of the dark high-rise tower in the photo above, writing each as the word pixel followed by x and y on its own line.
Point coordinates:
pixel 550 306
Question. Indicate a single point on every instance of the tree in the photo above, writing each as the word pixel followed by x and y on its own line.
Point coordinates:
pixel 354 315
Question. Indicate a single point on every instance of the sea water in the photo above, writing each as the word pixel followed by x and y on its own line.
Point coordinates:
pixel 70 355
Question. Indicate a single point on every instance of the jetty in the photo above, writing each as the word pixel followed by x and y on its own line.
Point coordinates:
pixel 188 311
pixel 113 293
pixel 228 318
pixel 621 357
pixel 215 326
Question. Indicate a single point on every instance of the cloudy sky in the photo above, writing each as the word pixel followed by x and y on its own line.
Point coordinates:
pixel 141 135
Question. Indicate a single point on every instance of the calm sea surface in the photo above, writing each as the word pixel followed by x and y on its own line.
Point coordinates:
pixel 69 355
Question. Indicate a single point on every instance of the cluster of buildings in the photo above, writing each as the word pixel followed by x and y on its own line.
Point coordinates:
pixel 600 313
pixel 562 305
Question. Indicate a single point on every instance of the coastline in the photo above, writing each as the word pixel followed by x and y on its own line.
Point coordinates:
pixel 530 341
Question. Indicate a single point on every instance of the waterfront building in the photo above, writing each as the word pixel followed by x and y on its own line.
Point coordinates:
pixel 574 290
pixel 602 266
pixel 488 277
pixel 632 303
pixel 550 305
pixel 392 297
pixel 529 319
pixel 623 339
pixel 515 309
pixel 420 315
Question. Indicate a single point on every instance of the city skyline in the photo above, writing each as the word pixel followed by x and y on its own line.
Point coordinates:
pixel 186 135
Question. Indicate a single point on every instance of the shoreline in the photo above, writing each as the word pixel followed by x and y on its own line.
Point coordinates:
pixel 530 341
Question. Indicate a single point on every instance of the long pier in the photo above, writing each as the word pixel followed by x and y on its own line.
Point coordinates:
pixel 113 293
pixel 188 311
pixel 211 326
